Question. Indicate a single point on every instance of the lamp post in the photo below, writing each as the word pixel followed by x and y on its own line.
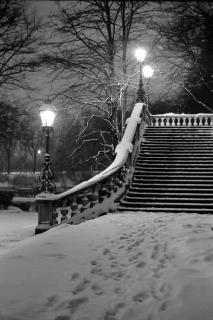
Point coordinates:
pixel 148 73
pixel 140 54
pixel 46 178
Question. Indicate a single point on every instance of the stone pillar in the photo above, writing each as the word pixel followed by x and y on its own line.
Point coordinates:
pixel 45 215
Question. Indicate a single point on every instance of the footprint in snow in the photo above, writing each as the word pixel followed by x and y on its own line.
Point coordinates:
pixel 141 296
pixel 81 286
pixel 97 289
pixel 72 305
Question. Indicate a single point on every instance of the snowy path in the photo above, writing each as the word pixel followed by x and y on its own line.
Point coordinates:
pixel 138 266
pixel 16 225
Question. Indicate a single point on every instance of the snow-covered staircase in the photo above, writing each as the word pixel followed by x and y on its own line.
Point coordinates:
pixel 173 171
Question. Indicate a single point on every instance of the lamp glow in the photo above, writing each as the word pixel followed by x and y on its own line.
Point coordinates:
pixel 148 71
pixel 140 54
pixel 47 114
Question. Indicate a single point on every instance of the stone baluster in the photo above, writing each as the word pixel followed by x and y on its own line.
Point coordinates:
pixel 94 196
pixel 84 202
pixel 119 179
pixel 109 187
pixel 167 122
pixel 156 122
pixel 104 190
pixel 211 121
pixel 178 122
pixel 173 122
pixel 74 207
pixel 184 122
pixel 64 213
pixel 100 194
pixel 199 120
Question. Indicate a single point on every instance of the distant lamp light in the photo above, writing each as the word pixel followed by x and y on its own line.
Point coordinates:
pixel 140 54
pixel 148 71
pixel 39 151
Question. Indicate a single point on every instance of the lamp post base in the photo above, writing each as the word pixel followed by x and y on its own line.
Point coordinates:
pixel 45 216
pixel 40 228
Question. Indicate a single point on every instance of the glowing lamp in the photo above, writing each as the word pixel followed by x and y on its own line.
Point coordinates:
pixel 47 114
pixel 148 71
pixel 140 54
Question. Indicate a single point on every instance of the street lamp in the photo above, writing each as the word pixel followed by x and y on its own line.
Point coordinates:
pixel 140 54
pixel 46 178
pixel 148 73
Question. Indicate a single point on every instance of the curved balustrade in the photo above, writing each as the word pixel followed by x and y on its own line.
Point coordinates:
pixel 181 120
pixel 96 196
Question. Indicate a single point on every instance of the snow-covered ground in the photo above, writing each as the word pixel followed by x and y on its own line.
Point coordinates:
pixel 16 225
pixel 123 266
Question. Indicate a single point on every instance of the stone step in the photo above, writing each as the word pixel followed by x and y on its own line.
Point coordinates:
pixel 174 160
pixel 166 199
pixel 157 148
pixel 162 189
pixel 180 176
pixel 176 156
pixel 172 184
pixel 175 149
pixel 173 170
pixel 170 194
pixel 173 164
pixel 173 153
pixel 178 139
pixel 171 209
pixel 173 145
pixel 172 180
pixel 167 204
pixel 178 134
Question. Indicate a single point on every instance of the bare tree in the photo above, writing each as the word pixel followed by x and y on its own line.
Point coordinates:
pixel 11 119
pixel 185 40
pixel 93 48
pixel 32 138
pixel 19 39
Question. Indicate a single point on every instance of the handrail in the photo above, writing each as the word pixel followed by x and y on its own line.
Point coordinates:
pixel 46 201
pixel 122 151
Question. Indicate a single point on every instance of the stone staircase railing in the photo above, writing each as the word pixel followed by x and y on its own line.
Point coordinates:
pixel 181 120
pixel 98 195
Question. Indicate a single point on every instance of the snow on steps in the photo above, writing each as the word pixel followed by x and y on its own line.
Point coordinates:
pixel 173 171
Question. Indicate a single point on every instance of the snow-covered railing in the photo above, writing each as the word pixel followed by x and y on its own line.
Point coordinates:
pixel 95 196
pixel 182 120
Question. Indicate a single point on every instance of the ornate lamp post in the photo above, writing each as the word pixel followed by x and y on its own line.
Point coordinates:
pixel 46 178
pixel 140 54
pixel 148 73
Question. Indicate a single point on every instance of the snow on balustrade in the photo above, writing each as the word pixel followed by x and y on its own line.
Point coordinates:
pixel 181 120
pixel 97 189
